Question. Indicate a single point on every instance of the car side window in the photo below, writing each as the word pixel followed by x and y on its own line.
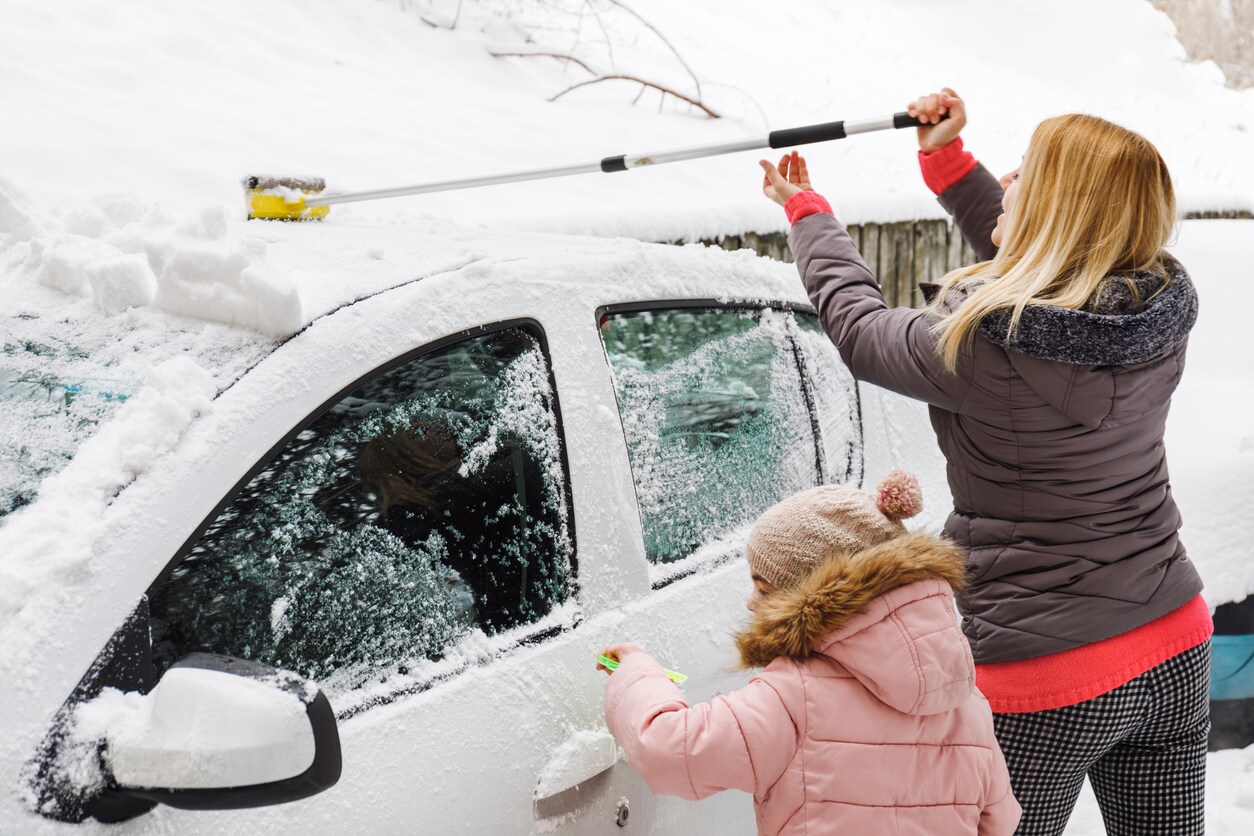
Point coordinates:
pixel 719 422
pixel 428 503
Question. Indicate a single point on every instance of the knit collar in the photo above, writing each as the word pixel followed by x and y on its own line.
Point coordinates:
pixel 1129 321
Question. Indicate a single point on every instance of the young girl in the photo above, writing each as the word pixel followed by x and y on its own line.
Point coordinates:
pixel 865 718
pixel 1049 368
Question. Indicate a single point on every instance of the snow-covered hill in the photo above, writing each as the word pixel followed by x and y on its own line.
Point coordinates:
pixel 175 102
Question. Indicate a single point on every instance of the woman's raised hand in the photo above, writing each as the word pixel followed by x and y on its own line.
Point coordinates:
pixel 788 179
pixel 936 132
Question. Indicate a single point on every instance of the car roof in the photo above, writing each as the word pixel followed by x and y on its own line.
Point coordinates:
pixel 317 256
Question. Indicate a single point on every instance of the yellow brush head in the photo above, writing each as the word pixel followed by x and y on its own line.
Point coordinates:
pixel 283 198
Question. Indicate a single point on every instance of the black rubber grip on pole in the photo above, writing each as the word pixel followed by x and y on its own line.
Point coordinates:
pixel 905 120
pixel 612 164
pixel 806 135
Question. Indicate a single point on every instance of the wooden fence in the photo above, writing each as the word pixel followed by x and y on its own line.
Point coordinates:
pixel 901 254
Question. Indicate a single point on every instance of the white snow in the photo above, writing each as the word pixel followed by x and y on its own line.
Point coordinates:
pixel 197 729
pixel 1210 437
pixel 177 102
pixel 53 538
pixel 587 753
pixel 123 256
pixel 206 728
pixel 121 282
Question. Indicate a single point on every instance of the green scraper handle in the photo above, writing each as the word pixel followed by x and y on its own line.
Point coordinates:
pixel 610 664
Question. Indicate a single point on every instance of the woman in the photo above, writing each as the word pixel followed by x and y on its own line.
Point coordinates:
pixel 1049 368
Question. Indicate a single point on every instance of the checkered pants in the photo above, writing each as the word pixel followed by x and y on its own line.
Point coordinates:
pixel 1142 745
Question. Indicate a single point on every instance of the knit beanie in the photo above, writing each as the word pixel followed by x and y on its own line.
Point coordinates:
pixel 794 536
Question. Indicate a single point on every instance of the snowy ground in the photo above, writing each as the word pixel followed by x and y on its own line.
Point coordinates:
pixel 151 103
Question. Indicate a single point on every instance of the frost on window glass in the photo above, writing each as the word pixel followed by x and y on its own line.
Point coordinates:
pixel 717 423
pixel 66 371
pixel 835 394
pixel 429 502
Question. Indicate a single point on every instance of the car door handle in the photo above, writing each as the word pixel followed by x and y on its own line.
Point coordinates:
pixel 581 758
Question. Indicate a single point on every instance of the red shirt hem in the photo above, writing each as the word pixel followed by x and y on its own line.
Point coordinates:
pixel 1091 670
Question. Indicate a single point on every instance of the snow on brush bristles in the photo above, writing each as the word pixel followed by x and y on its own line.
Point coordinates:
pixel 898 495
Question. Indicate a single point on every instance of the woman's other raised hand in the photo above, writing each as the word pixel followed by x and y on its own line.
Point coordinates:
pixel 788 179
pixel 936 131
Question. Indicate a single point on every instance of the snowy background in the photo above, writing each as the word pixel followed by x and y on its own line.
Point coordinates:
pixel 127 127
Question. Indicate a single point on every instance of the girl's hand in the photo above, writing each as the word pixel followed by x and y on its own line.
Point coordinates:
pixel 618 652
pixel 935 132
pixel 791 177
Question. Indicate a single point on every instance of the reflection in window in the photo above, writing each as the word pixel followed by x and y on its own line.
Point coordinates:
pixel 718 423
pixel 428 502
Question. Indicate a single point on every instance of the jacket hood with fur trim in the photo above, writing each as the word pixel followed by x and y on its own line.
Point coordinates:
pixel 885 614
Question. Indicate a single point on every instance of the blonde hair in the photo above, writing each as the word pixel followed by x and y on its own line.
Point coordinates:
pixel 1094 199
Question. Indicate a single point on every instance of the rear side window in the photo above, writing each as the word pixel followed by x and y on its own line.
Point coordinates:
pixel 429 503
pixel 721 422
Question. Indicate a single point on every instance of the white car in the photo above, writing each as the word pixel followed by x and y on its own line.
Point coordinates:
pixel 469 463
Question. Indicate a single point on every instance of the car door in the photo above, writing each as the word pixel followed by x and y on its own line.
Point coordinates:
pixel 412 548
pixel 725 410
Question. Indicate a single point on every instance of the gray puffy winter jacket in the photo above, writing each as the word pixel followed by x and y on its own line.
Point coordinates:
pixel 1054 441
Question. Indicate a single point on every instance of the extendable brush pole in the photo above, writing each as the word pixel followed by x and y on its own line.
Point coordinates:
pixel 293 198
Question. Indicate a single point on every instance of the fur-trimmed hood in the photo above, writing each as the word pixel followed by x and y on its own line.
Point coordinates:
pixel 885 614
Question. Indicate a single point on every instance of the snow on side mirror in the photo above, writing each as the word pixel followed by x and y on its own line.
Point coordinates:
pixel 216 733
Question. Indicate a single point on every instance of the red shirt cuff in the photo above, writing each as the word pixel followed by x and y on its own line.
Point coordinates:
pixel 804 204
pixel 946 166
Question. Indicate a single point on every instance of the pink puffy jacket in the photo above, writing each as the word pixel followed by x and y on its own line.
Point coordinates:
pixel 865 719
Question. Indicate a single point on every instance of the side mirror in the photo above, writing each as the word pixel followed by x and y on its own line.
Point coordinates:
pixel 219 733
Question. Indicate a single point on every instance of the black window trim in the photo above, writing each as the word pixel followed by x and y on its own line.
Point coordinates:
pixel 524 639
pixel 752 305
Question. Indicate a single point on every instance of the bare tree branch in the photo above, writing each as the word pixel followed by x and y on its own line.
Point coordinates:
pixel 643 83
pixel 609 42
pixel 629 10
pixel 558 55
pixel 594 9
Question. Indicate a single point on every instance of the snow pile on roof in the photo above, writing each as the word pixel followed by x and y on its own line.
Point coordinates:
pixel 122 254
pixel 89 335
pixel 176 102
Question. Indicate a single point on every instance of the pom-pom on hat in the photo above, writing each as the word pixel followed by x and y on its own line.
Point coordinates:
pixel 795 535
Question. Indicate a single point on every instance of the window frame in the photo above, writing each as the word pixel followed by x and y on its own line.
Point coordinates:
pixel 687 568
pixel 525 637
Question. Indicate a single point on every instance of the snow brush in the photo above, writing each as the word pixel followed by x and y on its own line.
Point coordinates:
pixel 301 199
pixel 610 665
